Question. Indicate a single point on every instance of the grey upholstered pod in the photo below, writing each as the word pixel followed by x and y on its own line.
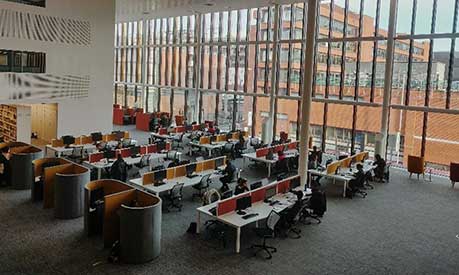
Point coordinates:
pixel 69 194
pixel 140 233
pixel 22 175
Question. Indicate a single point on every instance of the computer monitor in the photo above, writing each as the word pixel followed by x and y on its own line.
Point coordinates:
pixel 68 140
pixel 160 175
pixel 219 162
pixel 119 134
pixel 190 169
pixel 96 136
pixel 109 154
pixel 227 194
pixel 243 203
pixel 294 183
pixel 188 128
pixel 126 142
pixel 135 150
pixel 229 136
pixel 270 192
pixel 213 138
pixel 161 145
pixel 256 185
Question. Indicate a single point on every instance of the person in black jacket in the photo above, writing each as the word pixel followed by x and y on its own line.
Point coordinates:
pixel 380 167
pixel 119 169
pixel 358 183
pixel 228 177
pixel 5 168
pixel 241 186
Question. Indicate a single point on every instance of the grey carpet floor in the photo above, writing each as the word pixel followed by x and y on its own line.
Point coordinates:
pixel 403 227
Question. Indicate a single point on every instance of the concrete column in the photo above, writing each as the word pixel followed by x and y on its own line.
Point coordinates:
pixel 382 139
pixel 272 102
pixel 306 99
pixel 197 66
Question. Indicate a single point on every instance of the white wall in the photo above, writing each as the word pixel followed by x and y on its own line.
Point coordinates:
pixel 76 116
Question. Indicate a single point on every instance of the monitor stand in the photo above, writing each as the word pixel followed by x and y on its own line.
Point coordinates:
pixel 240 212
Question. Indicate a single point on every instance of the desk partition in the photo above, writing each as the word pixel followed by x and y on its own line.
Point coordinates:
pixel 180 171
pixel 69 191
pixel 126 214
pixel 262 152
pixel 346 162
pixel 38 187
pixel 22 167
pixel 229 205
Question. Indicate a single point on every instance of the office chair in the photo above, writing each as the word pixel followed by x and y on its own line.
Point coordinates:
pixel 203 185
pixel 210 196
pixel 178 143
pixel 77 154
pixel 291 217
pixel 313 208
pixel 268 232
pixel 174 197
pixel 228 150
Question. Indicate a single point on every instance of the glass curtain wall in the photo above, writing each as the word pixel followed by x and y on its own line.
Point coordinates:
pixel 230 66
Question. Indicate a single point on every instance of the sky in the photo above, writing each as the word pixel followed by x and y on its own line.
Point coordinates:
pixel 445 13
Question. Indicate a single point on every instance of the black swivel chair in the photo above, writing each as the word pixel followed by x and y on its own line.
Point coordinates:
pixel 202 186
pixel 268 232
pixel 77 154
pixel 174 197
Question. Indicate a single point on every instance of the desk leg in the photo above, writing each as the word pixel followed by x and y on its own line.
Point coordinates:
pixel 269 170
pixel 198 222
pixel 345 188
pixel 210 153
pixel 238 239
pixel 99 173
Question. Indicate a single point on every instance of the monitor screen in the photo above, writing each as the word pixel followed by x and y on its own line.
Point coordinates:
pixel 161 145
pixel 227 194
pixel 219 162
pixel 96 136
pixel 135 150
pixel 270 192
pixel 243 203
pixel 160 175
pixel 294 183
pixel 68 140
pixel 256 185
pixel 109 154
pixel 190 168
pixel 126 142
pixel 189 128
pixel 119 134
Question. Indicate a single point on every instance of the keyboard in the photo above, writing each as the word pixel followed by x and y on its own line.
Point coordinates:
pixel 273 203
pixel 192 176
pixel 248 216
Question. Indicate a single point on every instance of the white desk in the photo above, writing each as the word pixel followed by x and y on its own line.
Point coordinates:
pixel 209 147
pixel 345 175
pixel 166 137
pixel 269 162
pixel 169 184
pixel 58 151
pixel 261 208
pixel 103 164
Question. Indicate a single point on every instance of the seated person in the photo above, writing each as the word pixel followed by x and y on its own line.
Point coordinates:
pixel 316 152
pixel 312 162
pixel 241 186
pixel 239 146
pixel 211 130
pixel 228 177
pixel 119 169
pixel 5 168
pixel 380 167
pixel 358 183
pixel 280 156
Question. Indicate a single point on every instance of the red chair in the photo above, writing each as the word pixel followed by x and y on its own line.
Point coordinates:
pixel 454 173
